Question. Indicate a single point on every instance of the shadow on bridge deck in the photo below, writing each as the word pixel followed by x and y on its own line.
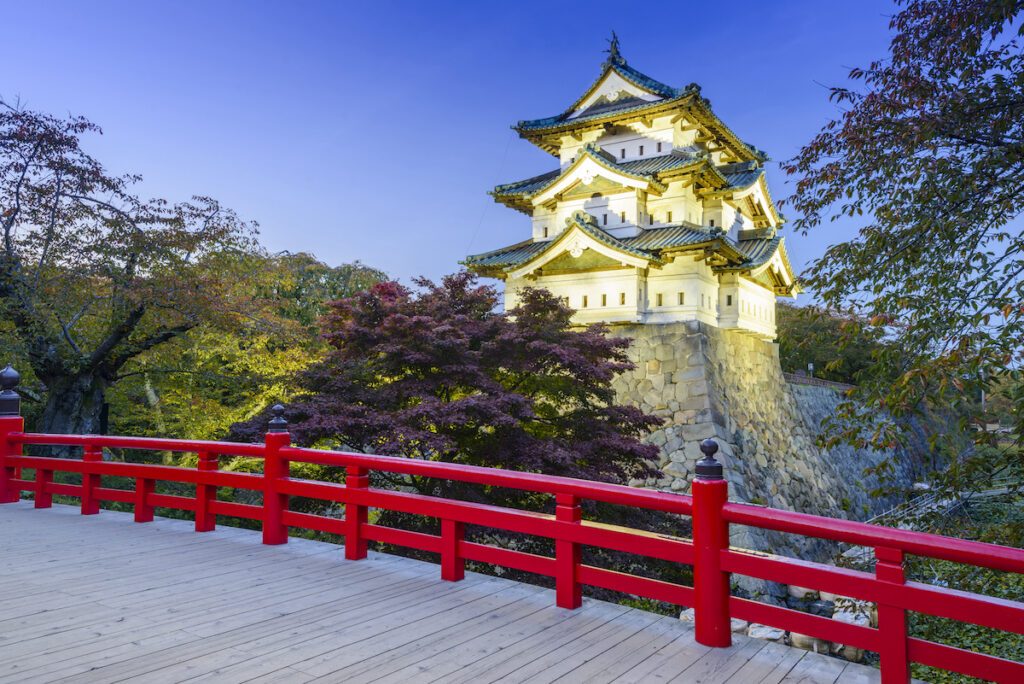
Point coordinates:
pixel 102 599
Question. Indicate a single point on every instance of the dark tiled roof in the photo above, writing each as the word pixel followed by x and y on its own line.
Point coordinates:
pixel 563 118
pixel 666 238
pixel 648 244
pixel 758 250
pixel 652 165
pixel 619 66
pixel 646 168
pixel 525 187
pixel 743 179
pixel 507 256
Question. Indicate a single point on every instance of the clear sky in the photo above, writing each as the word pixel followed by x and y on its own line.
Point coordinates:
pixel 373 130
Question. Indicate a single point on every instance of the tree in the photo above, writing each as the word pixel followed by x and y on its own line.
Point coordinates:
pixel 841 347
pixel 929 151
pixel 440 375
pixel 197 385
pixel 91 276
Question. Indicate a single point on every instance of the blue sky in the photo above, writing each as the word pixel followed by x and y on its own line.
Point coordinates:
pixel 373 131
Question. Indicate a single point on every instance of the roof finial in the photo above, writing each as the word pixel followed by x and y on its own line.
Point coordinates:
pixel 613 50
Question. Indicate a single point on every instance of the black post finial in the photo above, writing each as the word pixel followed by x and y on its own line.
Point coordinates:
pixel 708 468
pixel 277 423
pixel 10 401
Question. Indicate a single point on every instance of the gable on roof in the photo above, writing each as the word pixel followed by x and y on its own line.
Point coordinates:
pixel 581 235
pixel 611 91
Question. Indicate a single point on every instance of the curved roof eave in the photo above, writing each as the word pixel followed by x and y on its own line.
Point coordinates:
pixel 592 231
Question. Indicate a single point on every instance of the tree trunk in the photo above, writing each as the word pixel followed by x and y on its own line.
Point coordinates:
pixel 73 406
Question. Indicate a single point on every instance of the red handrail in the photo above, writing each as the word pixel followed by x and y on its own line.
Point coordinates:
pixel 708 552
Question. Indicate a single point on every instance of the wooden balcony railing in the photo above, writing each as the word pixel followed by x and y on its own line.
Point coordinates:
pixel 708 552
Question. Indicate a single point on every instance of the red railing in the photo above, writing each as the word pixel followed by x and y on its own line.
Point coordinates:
pixel 708 552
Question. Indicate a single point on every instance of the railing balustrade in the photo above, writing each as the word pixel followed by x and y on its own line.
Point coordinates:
pixel 708 552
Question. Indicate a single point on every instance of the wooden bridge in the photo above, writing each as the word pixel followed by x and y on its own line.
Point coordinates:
pixel 100 598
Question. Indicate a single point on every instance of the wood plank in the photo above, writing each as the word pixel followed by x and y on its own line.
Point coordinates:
pixel 101 598
pixel 717 665
pixel 770 664
pixel 630 652
pixel 555 634
pixel 815 668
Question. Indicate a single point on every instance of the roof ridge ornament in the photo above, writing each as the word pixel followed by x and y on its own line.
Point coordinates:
pixel 613 51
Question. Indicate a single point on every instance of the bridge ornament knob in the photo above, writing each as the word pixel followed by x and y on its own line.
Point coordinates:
pixel 278 422
pixel 10 401
pixel 708 468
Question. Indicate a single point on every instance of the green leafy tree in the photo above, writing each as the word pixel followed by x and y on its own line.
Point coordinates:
pixel 92 277
pixel 841 347
pixel 199 384
pixel 928 150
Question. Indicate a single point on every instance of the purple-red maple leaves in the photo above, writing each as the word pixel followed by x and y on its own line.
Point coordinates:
pixel 439 374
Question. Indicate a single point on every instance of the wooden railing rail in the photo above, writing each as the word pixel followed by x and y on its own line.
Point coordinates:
pixel 708 552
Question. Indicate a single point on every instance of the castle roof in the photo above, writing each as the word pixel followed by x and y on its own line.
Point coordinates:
pixel 651 245
pixel 641 97
pixel 655 170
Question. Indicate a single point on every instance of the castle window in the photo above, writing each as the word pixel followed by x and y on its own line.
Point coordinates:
pixel 711 223
pixel 728 300
pixel 604 219
pixel 604 300
pixel 641 150
pixel 681 299
pixel 668 217
pixel 545 231
pixel 659 147
pixel 622 216
pixel 622 153
pixel 584 301
pixel 622 299
pixel 650 220
pixel 659 299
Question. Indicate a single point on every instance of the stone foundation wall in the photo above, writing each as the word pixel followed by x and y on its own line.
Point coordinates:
pixel 722 384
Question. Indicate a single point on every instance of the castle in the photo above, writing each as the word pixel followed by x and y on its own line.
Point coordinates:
pixel 657 213
pixel 658 221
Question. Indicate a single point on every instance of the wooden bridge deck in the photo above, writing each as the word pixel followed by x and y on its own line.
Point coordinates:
pixel 102 599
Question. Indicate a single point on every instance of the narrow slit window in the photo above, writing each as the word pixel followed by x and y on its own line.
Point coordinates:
pixel 622 216
pixel 659 299
pixel 668 217
pixel 545 231
pixel 650 219
pixel 604 219
pixel 622 153
pixel 604 300
pixel 584 301
pixel 681 299
pixel 711 223
pixel 622 299
pixel 641 150
pixel 728 300
pixel 659 147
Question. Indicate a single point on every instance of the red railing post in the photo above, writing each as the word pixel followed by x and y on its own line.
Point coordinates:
pixel 144 488
pixel 205 520
pixel 710 537
pixel 275 502
pixel 91 481
pixel 356 515
pixel 453 566
pixel 44 497
pixel 568 590
pixel 10 421
pixel 892 621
